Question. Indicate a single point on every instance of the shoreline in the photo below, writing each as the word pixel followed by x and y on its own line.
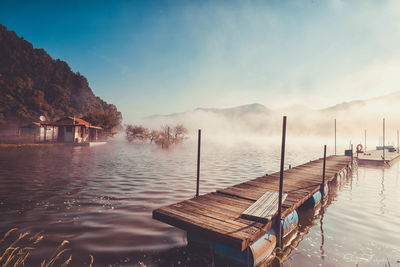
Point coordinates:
pixel 4 146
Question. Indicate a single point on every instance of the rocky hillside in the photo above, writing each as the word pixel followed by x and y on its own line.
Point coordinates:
pixel 33 84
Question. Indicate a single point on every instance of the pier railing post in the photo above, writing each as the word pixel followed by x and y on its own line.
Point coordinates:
pixel 335 137
pixel 279 228
pixel 365 139
pixel 351 154
pixel 383 139
pixel 323 174
pixel 198 163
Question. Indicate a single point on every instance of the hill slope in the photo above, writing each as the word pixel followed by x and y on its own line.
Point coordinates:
pixel 34 84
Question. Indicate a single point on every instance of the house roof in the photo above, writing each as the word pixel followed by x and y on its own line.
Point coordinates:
pixel 81 122
pixel 78 122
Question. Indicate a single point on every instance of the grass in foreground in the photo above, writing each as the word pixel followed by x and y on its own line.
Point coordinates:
pixel 17 253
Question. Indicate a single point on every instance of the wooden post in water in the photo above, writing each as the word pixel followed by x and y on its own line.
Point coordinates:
pixel 323 174
pixel 198 163
pixel 351 154
pixel 335 137
pixel 365 139
pixel 279 228
pixel 383 145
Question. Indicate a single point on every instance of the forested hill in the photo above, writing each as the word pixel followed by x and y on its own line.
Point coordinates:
pixel 34 84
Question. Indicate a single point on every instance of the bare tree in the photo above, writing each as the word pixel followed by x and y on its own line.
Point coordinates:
pixel 164 138
pixel 136 133
pixel 154 135
pixel 179 132
pixel 166 131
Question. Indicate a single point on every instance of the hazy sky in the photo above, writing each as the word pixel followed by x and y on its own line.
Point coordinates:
pixel 158 57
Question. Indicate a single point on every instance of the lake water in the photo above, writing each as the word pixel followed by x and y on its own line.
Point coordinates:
pixel 100 199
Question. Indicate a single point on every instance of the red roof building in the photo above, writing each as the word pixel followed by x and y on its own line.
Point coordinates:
pixel 65 130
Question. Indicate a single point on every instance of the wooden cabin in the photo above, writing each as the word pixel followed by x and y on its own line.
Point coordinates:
pixel 65 130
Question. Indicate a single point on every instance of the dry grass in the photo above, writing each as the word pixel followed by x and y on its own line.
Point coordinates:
pixel 57 255
pixel 17 253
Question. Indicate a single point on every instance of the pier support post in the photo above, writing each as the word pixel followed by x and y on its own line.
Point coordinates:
pixel 383 145
pixel 198 163
pixel 279 228
pixel 335 137
pixel 365 140
pixel 351 154
pixel 323 174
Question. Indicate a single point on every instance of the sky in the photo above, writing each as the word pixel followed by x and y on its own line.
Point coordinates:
pixel 161 57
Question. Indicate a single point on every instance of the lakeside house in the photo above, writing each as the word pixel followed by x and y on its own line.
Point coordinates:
pixel 65 130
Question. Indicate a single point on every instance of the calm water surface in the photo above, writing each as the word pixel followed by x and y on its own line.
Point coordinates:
pixel 101 199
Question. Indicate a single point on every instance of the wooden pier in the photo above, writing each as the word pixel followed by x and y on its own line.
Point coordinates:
pixel 218 216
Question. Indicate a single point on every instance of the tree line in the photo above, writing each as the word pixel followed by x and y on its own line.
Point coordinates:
pixel 164 137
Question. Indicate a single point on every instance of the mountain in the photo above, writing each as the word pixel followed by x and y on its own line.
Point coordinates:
pixel 239 111
pixel 33 84
pixel 353 116
pixel 234 112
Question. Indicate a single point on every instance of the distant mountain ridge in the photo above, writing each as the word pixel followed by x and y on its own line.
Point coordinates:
pixel 34 84
pixel 237 111
pixel 256 118
pixel 260 109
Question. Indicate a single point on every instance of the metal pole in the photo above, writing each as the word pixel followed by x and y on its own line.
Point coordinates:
pixel 365 140
pixel 383 139
pixel 198 163
pixel 323 174
pixel 351 154
pixel 281 183
pixel 335 137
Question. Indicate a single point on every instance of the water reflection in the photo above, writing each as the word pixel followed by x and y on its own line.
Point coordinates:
pixel 381 194
pixel 355 228
pixel 308 217
pixel 101 199
pixel 321 226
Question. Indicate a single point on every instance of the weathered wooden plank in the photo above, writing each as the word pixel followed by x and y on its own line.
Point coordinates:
pixel 264 208
pixel 221 221
pixel 186 223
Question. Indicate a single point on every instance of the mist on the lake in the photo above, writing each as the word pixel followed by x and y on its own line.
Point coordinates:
pixel 254 123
